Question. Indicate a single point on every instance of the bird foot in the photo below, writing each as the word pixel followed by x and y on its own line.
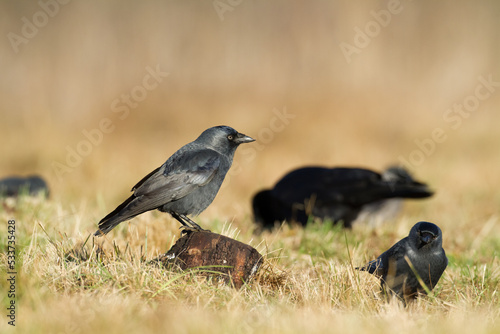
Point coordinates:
pixel 192 229
pixel 188 225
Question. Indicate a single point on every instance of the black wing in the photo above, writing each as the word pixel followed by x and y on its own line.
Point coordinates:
pixel 388 260
pixel 181 176
pixel 173 180
pixel 327 185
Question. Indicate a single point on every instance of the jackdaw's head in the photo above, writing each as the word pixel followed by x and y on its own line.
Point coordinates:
pixel 397 174
pixel 426 236
pixel 223 139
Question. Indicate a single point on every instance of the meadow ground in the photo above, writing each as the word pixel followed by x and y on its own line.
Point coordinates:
pixel 103 92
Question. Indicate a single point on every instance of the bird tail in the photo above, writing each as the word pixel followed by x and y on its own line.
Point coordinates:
pixel 123 212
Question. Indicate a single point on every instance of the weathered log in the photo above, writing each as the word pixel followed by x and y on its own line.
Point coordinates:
pixel 235 261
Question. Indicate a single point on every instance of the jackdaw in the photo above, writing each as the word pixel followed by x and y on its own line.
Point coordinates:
pixel 338 194
pixel 422 248
pixel 31 185
pixel 186 183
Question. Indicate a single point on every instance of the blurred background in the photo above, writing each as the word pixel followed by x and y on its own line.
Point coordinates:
pixel 96 94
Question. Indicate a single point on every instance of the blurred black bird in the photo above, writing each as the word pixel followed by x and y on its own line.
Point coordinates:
pixel 338 194
pixel 186 183
pixel 422 248
pixel 31 185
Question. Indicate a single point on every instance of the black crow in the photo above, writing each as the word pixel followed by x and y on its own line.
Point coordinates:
pixel 186 183
pixel 32 185
pixel 420 253
pixel 338 194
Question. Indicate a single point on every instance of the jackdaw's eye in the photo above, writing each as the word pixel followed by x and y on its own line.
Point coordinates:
pixel 230 137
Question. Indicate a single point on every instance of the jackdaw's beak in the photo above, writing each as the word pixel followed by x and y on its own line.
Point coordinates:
pixel 241 139
pixel 427 237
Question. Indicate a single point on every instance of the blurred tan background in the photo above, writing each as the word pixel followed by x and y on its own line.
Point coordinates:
pixel 275 70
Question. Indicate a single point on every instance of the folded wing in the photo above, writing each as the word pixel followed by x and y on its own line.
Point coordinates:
pixel 165 184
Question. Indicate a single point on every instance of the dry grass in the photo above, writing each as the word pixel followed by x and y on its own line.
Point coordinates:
pixel 261 59
pixel 307 283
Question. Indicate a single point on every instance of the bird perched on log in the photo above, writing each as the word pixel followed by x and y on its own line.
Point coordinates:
pixel 338 194
pixel 186 183
pixel 419 256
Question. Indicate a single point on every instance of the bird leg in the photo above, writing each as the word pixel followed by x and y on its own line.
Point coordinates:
pixel 187 224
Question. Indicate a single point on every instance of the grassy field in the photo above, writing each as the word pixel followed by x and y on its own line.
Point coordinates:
pixel 98 94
